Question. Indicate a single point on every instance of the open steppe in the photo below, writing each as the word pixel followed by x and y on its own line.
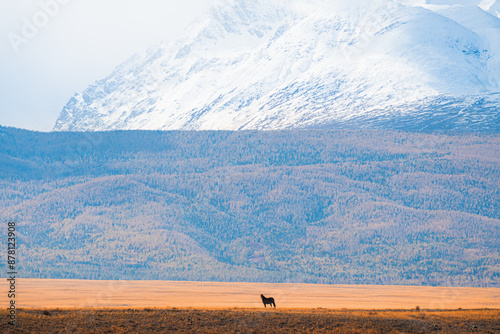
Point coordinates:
pixel 44 293
pixel 239 320
pixel 79 306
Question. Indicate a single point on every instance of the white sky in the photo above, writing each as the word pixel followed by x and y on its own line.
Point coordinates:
pixel 81 43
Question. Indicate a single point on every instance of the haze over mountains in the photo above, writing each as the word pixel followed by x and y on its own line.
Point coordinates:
pixel 317 206
pixel 255 64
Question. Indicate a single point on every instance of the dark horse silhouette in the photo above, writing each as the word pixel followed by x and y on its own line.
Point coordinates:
pixel 269 301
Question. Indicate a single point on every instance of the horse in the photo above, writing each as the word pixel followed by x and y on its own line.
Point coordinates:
pixel 269 301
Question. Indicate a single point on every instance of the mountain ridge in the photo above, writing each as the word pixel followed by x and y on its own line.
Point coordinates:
pixel 316 206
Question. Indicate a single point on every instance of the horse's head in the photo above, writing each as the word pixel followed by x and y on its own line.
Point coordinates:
pixel 262 296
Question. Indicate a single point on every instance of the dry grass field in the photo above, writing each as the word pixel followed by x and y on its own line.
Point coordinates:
pixel 75 306
pixel 40 293
pixel 156 320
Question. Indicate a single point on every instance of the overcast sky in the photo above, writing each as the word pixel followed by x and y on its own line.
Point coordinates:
pixel 76 44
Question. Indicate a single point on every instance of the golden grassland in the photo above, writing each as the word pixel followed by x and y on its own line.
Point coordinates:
pixel 79 306
pixel 251 320
pixel 43 293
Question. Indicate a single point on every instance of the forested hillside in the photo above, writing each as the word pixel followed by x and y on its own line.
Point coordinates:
pixel 371 207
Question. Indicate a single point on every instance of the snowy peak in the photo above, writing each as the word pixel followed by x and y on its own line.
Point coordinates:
pixel 251 19
pixel 490 6
pixel 296 64
pixel 494 8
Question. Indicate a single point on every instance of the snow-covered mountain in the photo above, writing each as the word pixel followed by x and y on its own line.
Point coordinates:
pixel 278 64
